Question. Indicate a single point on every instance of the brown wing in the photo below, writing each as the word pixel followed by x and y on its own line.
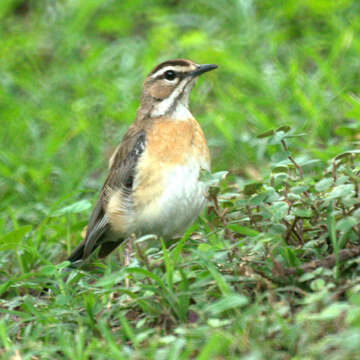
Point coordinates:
pixel 121 175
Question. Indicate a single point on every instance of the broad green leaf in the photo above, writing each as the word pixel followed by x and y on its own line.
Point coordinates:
pixel 227 302
pixel 266 134
pixel 303 212
pixel 284 128
pixel 11 240
pixel 294 197
pixel 340 191
pixel 332 311
pixel 277 137
pixel 280 169
pixel 279 209
pixel 257 199
pixel 252 188
pixel 277 229
pixel 347 153
pixel 306 162
pixel 243 230
pixel 220 280
pixel 145 273
pixel 323 184
pixel 74 208
pixel 346 223
pixel 317 284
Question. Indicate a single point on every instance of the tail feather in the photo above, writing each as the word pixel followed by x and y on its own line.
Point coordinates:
pixel 78 253
pixel 105 249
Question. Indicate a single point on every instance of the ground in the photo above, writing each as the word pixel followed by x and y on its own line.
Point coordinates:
pixel 270 270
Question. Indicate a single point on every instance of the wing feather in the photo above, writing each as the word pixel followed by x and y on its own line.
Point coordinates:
pixel 121 176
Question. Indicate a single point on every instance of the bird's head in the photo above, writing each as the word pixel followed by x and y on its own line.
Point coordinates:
pixel 169 84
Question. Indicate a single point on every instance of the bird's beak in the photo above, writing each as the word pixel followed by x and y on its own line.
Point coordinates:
pixel 202 69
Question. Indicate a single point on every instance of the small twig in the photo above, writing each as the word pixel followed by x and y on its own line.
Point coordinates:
pixel 327 262
pixel 333 173
pixel 356 231
pixel 208 223
pixel 314 219
pixel 291 228
pixel 294 289
pixel 278 268
pixel 353 178
pixel 356 206
pixel 252 221
pixel 343 210
pixel 286 192
pixel 356 187
pixel 300 231
pixel 142 257
pixel 277 281
pixel 344 288
pixel 221 214
pixel 127 257
pixel 299 169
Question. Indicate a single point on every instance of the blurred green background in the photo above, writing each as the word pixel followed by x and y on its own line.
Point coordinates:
pixel 71 74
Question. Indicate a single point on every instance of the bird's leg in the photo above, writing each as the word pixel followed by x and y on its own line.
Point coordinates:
pixel 127 256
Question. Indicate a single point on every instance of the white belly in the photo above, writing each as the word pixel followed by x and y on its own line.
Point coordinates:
pixel 165 198
pixel 180 203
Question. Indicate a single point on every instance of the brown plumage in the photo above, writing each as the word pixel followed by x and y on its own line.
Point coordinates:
pixel 163 146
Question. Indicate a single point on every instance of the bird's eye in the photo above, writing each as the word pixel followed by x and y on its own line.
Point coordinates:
pixel 170 75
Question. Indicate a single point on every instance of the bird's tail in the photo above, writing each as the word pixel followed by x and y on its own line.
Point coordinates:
pixel 106 248
pixel 77 254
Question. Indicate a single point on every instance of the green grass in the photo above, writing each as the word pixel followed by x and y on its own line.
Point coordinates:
pixel 241 283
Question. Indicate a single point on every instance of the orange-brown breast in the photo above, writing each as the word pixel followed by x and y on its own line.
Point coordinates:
pixel 168 143
pixel 172 142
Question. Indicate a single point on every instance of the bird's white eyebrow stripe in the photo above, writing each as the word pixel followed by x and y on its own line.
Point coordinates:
pixel 176 68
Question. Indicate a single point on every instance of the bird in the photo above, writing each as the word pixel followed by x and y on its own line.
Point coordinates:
pixel 153 184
